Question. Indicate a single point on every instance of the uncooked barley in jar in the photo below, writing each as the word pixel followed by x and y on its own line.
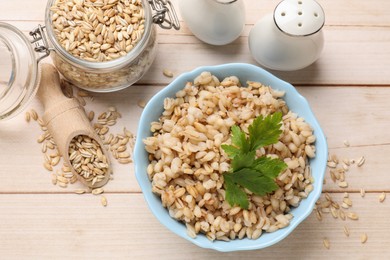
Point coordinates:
pixel 102 45
pixel 187 163
pixel 98 30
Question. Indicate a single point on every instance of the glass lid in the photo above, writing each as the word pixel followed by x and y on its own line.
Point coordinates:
pixel 7 66
pixel 18 71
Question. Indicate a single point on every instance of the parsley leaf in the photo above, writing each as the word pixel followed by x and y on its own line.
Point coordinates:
pixel 265 131
pixel 254 181
pixel 239 144
pixel 239 139
pixel 234 194
pixel 230 150
pixel 254 174
pixel 242 160
pixel 269 167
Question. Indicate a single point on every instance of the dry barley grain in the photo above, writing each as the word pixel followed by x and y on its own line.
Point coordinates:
pixel 363 238
pixel 91 115
pixel 97 191
pixel 123 155
pixel 141 103
pixel 334 212
pixel 55 160
pixel 125 160
pixel 362 192
pixel 44 147
pixel 41 122
pixel 326 243
pixel 82 93
pixel 352 215
pixel 167 73
pixel 361 161
pixel 319 215
pixel 62 179
pixel 343 184
pixel 103 200
pixel 27 117
pixel 347 201
pixel 48 166
pixel 382 197
pixel 62 184
pixel 346 231
pixel 332 164
pixel 34 114
pixel 41 138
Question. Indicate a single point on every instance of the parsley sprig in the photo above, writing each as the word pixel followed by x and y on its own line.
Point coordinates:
pixel 246 171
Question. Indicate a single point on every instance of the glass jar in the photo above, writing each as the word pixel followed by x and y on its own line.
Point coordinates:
pixel 110 75
pixel 19 74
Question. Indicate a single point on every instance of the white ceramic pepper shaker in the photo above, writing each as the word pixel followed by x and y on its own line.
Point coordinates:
pixel 291 38
pixel 216 22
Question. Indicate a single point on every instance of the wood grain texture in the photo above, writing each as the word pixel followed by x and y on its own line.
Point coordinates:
pixel 351 56
pixel 338 12
pixel 74 226
pixel 347 89
pixel 338 110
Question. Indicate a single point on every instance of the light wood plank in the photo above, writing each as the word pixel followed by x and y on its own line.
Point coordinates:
pixel 22 164
pixel 345 12
pixel 351 56
pixel 72 226
pixel 41 221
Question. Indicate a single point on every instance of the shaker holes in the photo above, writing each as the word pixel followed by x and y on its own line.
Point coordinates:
pixel 315 14
pixel 299 2
pixel 299 24
pixel 299 13
pixel 283 14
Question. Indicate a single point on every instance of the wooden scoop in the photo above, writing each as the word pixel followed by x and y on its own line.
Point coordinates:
pixel 66 119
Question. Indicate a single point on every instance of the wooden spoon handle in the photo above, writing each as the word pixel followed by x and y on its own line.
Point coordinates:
pixel 49 91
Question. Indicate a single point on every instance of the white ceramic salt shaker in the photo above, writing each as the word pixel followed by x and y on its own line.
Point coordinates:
pixel 216 22
pixel 291 38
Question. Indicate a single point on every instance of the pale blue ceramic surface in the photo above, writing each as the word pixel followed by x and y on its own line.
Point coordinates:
pixel 244 72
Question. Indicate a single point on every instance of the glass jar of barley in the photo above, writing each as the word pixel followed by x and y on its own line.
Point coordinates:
pixel 97 45
pixel 105 45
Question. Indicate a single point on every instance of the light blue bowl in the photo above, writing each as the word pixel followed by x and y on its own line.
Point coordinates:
pixel 295 102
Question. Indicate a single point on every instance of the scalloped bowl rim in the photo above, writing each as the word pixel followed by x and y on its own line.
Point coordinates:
pixel 296 103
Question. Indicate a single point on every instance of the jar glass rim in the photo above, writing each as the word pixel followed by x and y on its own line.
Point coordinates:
pixel 24 78
pixel 115 63
pixel 11 69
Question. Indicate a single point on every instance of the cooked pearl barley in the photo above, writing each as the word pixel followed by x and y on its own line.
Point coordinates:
pixel 187 162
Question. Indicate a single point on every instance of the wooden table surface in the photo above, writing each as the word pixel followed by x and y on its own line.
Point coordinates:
pixel 348 89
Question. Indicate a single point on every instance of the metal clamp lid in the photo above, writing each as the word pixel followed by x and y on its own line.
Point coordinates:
pixel 41 44
pixel 164 14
